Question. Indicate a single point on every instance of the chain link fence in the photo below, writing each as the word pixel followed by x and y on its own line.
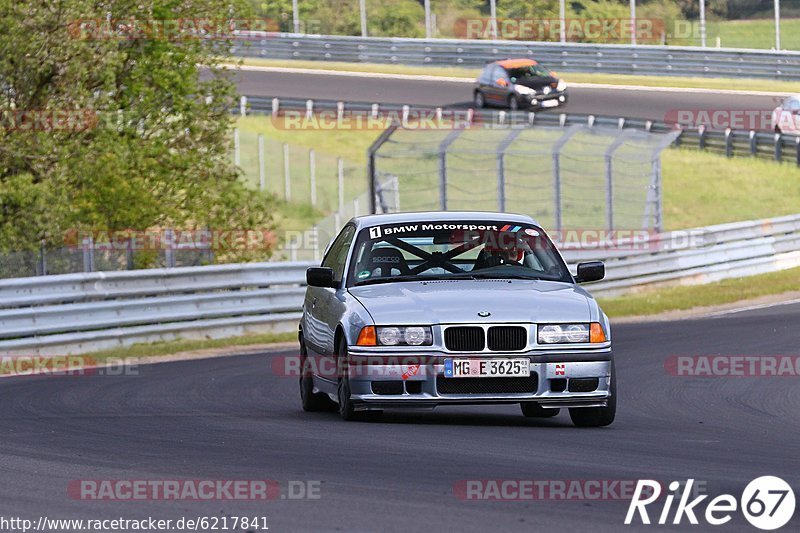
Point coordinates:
pixel 575 177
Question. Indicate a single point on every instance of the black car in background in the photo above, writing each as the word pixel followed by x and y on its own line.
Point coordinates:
pixel 518 84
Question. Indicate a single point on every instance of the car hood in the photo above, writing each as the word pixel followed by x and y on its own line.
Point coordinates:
pixel 536 83
pixel 460 301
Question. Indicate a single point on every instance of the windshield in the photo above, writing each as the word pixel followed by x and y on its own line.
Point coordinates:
pixel 533 71
pixel 454 250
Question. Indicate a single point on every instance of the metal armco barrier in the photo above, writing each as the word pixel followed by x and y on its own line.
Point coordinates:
pixel 567 57
pixel 731 143
pixel 79 313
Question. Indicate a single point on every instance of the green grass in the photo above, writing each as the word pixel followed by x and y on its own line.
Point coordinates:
pixel 656 301
pixel 702 189
pixel 574 77
pixel 754 33
pixel 186 345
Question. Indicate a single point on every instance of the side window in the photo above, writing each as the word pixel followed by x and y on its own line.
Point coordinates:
pixel 337 255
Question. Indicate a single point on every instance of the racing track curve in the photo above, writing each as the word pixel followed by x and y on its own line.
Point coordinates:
pixel 644 104
pixel 232 418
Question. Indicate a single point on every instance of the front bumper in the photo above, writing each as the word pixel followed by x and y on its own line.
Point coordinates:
pixel 556 380
pixel 552 99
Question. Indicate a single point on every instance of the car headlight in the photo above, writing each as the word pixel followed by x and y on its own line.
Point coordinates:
pixel 562 86
pixel 521 89
pixel 570 333
pixel 395 336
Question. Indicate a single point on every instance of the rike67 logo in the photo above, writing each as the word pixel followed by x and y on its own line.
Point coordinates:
pixel 767 502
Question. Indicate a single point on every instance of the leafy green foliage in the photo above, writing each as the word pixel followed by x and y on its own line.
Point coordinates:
pixel 150 147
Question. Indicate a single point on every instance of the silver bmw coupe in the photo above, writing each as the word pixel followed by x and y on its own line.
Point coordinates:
pixel 416 310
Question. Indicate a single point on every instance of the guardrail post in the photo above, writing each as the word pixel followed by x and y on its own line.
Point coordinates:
pixel 287 178
pixel 728 142
pixel 262 169
pixel 312 174
pixel 276 106
pixel 445 144
pixel 753 143
pixel 501 167
pixel 309 109
pixel 243 106
pixel 778 147
pixel 797 149
pixel 701 136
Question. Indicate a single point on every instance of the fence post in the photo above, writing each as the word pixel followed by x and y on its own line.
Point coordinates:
pixel 797 149
pixel 236 149
pixel 701 137
pixel 340 180
pixel 88 254
pixel 445 144
pixel 262 170
pixel 371 171
pixel 778 147
pixel 356 208
pixel 169 251
pixel 287 177
pixel 609 159
pixel 501 167
pixel 315 233
pixel 753 143
pixel 557 147
pixel 42 258
pixel 312 172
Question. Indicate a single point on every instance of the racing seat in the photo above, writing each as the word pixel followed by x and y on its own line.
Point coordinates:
pixel 387 259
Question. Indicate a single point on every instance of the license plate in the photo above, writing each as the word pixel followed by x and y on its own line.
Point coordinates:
pixel 549 103
pixel 486 368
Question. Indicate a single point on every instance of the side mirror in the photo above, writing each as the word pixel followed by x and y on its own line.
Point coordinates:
pixel 590 271
pixel 320 277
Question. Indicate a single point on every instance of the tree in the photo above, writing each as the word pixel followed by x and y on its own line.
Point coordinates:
pixel 109 126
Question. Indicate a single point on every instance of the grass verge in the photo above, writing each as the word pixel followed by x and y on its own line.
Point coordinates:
pixel 186 345
pixel 655 301
pixel 742 84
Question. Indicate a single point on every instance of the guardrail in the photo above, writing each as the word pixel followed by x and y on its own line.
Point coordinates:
pixel 568 57
pixel 78 313
pixel 761 144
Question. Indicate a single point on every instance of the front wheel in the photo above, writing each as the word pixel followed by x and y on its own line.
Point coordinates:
pixel 347 410
pixel 513 103
pixel 585 417
pixel 311 401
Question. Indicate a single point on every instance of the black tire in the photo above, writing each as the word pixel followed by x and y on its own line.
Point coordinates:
pixel 347 410
pixel 593 417
pixel 312 402
pixel 479 100
pixel 534 410
pixel 513 103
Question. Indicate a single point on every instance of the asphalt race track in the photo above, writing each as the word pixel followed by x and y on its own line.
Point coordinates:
pixel 233 418
pixel 644 104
